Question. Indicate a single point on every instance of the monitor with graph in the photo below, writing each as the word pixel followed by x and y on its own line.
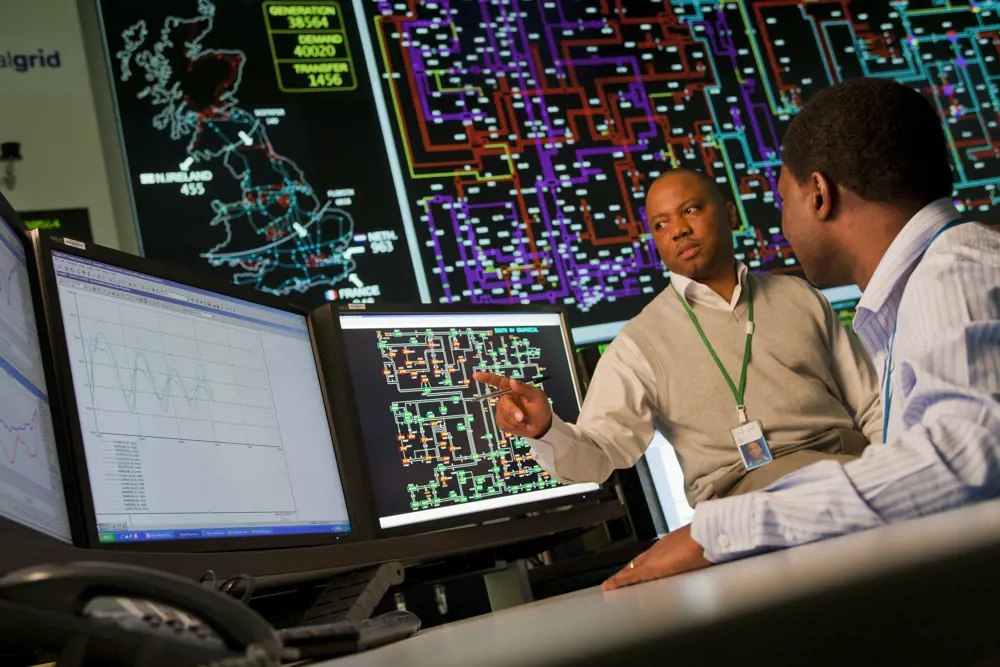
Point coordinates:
pixel 31 483
pixel 201 415
pixel 435 456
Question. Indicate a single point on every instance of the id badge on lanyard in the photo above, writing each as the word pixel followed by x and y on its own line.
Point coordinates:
pixel 749 435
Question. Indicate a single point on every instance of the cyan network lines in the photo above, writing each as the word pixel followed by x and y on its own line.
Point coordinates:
pixel 278 235
pixel 531 130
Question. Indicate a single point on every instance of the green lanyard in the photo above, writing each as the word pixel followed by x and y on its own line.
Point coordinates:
pixel 737 393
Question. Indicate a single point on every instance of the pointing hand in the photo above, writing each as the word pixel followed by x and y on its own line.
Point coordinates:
pixel 524 412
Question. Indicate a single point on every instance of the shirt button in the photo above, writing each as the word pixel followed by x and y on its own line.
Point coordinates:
pixel 789 535
pixel 723 541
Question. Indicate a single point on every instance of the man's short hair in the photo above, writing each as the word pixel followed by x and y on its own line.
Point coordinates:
pixel 878 138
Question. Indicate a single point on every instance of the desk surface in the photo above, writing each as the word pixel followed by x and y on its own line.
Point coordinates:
pixel 575 628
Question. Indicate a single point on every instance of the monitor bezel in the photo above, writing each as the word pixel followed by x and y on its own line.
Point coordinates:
pixel 348 416
pixel 59 431
pixel 45 245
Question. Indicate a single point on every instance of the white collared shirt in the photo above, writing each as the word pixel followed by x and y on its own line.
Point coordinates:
pixel 701 295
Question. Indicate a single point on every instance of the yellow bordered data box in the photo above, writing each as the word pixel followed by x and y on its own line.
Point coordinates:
pixel 309 46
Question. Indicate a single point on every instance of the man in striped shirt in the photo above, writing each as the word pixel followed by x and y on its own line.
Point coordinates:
pixel 866 192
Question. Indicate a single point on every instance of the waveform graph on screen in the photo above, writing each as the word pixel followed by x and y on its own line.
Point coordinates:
pixel 151 374
pixel 18 437
pixel 17 332
pixel 10 289
pixel 22 439
pixel 454 449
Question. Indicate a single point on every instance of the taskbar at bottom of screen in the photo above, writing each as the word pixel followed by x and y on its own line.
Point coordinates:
pixel 107 537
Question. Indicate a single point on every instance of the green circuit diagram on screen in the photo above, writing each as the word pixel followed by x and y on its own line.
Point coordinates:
pixel 456 450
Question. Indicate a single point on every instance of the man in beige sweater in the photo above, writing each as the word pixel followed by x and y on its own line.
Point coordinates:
pixel 719 359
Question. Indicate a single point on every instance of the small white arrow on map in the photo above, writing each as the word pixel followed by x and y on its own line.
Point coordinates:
pixel 300 230
pixel 246 138
pixel 354 251
pixel 186 164
pixel 354 279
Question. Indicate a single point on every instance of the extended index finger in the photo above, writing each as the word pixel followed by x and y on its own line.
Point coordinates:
pixel 498 381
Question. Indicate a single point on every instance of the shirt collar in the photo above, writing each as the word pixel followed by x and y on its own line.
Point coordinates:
pixel 876 311
pixel 694 292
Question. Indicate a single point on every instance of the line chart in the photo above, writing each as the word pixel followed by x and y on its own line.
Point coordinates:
pixel 7 285
pixel 152 374
pixel 24 449
pixel 31 490
pixel 10 449
pixel 16 318
pixel 131 391
pixel 30 480
pixel 174 389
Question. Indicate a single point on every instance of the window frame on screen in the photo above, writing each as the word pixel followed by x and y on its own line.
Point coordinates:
pixel 347 415
pixel 642 515
pixel 59 432
pixel 345 458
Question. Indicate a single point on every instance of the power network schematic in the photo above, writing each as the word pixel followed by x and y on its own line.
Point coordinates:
pixel 499 151
pixel 531 130
pixel 436 427
pixel 432 447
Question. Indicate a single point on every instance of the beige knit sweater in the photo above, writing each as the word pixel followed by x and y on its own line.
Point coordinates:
pixel 810 383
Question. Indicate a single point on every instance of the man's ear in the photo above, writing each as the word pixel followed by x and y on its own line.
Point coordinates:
pixel 823 197
pixel 734 216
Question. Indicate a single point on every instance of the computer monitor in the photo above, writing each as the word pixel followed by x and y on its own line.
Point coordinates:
pixel 435 458
pixel 846 310
pixel 201 420
pixel 844 300
pixel 31 481
pixel 664 473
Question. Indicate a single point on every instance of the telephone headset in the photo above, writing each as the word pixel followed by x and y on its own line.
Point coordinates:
pixel 48 606
pixel 59 608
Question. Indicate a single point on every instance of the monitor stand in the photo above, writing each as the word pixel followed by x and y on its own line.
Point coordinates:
pixel 508 586
pixel 351 595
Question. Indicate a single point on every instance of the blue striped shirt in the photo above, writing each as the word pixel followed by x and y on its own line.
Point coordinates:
pixel 943 446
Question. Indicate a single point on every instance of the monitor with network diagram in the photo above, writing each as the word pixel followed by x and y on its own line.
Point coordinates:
pixel 434 455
